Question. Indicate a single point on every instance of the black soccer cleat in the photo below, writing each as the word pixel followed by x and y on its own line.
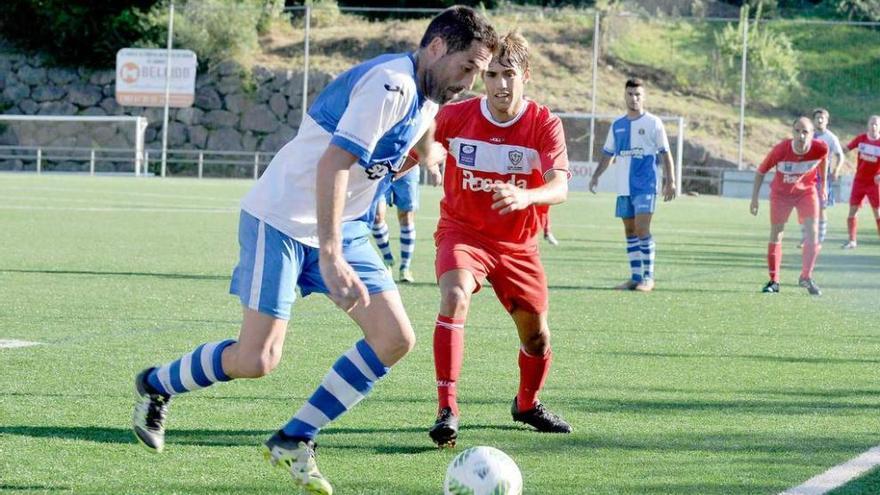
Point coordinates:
pixel 772 287
pixel 148 421
pixel 540 418
pixel 445 430
pixel 810 285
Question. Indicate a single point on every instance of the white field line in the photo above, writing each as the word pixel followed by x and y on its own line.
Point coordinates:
pixel 126 194
pixel 838 475
pixel 9 343
pixel 115 209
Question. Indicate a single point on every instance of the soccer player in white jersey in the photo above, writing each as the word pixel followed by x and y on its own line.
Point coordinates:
pixel 832 170
pixel 636 141
pixel 404 194
pixel 292 234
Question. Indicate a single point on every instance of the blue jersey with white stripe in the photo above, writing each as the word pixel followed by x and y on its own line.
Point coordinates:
pixel 375 112
pixel 636 144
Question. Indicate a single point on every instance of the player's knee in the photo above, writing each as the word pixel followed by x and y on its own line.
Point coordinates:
pixel 257 365
pixel 538 343
pixel 394 346
pixel 456 299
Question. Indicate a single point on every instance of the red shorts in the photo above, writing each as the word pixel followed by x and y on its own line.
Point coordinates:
pixel 861 190
pixel 807 205
pixel 517 277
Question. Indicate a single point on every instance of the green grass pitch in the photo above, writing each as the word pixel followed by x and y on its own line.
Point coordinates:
pixel 705 386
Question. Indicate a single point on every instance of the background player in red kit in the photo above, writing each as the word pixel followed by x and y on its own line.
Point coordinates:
pixel 865 183
pixel 797 162
pixel 506 163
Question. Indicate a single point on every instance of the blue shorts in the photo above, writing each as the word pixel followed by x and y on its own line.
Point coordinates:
pixel 271 265
pixel 404 192
pixel 630 206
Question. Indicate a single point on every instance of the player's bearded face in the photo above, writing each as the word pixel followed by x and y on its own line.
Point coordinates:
pixel 455 72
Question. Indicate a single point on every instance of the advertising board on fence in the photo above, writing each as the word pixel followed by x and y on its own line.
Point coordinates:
pixel 140 77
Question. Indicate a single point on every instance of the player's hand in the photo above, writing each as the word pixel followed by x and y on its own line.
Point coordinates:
pixel 594 184
pixel 753 207
pixel 669 191
pixel 877 179
pixel 510 198
pixel 435 176
pixel 346 288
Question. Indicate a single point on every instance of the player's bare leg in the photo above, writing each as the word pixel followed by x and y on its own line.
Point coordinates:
pixel 456 287
pixel 851 227
pixel 629 228
pixel 255 354
pixel 642 227
pixel 535 358
pixel 389 336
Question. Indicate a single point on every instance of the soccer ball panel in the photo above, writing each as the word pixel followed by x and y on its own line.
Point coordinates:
pixel 482 471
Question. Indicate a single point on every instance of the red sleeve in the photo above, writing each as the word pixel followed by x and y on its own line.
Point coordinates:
pixel 774 157
pixel 441 131
pixel 855 142
pixel 551 145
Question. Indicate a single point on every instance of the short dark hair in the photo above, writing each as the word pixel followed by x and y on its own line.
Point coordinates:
pixel 634 82
pixel 459 26
pixel 820 110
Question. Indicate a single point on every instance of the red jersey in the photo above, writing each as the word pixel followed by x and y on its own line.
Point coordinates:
pixel 869 158
pixel 795 174
pixel 482 153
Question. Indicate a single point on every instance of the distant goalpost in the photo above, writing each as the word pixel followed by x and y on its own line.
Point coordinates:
pixel 585 135
pixel 73 139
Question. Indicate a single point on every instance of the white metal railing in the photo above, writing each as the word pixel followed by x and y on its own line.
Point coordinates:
pixel 255 161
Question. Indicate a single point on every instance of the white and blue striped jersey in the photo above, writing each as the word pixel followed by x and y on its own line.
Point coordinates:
pixel 374 111
pixel 636 144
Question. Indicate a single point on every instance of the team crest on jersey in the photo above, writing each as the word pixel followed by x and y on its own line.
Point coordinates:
pixel 467 154
pixel 515 156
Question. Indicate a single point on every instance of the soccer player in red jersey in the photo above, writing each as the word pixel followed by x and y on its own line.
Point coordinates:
pixel 506 163
pixel 865 183
pixel 799 163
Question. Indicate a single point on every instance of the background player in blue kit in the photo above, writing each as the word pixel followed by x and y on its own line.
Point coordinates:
pixel 291 234
pixel 636 142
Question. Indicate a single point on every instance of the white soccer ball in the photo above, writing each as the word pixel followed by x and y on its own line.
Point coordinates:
pixel 482 471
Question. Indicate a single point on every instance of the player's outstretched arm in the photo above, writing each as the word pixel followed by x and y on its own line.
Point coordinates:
pixel 508 198
pixel 604 162
pixel 756 189
pixel 346 288
pixel 669 191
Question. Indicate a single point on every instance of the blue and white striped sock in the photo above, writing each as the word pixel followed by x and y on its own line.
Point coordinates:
pixel 380 234
pixel 349 380
pixel 407 244
pixel 823 230
pixel 647 249
pixel 200 368
pixel 635 258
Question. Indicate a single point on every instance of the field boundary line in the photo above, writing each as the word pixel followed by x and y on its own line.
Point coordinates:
pixel 13 343
pixel 838 475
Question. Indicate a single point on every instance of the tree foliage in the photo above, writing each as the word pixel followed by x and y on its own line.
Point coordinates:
pixel 73 32
pixel 772 71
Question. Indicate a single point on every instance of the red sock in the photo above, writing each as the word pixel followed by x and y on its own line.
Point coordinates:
pixel 448 354
pixel 774 259
pixel 852 224
pixel 808 259
pixel 533 371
